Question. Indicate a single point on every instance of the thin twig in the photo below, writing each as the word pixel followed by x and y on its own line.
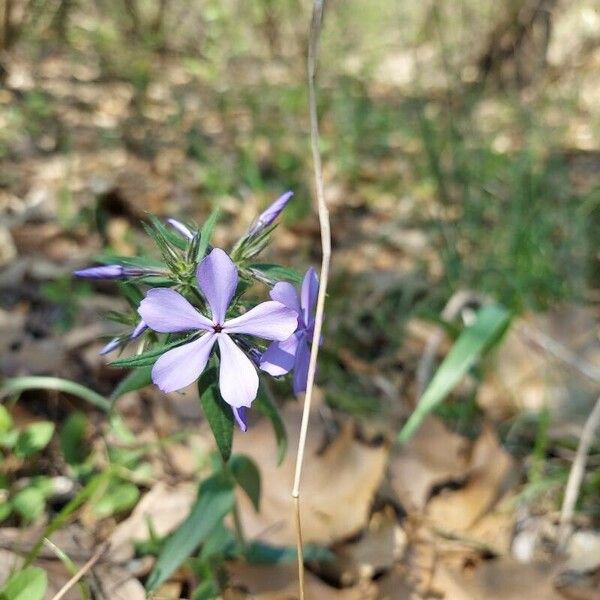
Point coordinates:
pixel 313 48
pixel 576 475
pixel 562 353
pixel 84 569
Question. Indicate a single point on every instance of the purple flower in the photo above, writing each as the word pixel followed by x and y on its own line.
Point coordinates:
pixel 270 214
pixel 138 330
pixel 294 352
pixel 181 228
pixel 166 311
pixel 119 341
pixel 109 272
pixel 112 345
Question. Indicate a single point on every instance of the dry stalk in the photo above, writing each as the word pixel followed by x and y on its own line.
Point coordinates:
pixel 576 475
pixel 313 48
pixel 83 571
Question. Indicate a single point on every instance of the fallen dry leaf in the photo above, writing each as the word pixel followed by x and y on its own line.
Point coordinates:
pixel 490 473
pixel 433 456
pixel 501 579
pixel 527 377
pixel 118 584
pixel 379 547
pixel 281 583
pixel 163 506
pixel 338 483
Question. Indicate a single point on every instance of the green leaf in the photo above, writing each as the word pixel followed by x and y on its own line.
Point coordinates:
pixel 27 584
pixel 21 384
pixel 6 421
pixel 260 553
pixel 144 262
pixel 5 510
pixel 29 503
pixel 149 357
pixel 167 233
pixel 90 488
pixel 264 405
pixel 490 323
pixel 207 232
pixel 119 496
pixel 73 438
pixel 137 379
pixel 215 500
pixel 33 438
pixel 277 272
pixel 220 542
pixel 207 590
pixel 247 475
pixel 218 412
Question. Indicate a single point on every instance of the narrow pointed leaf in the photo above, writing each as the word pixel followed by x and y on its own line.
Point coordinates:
pixel 277 272
pixel 137 379
pixel 217 411
pixel 490 323
pixel 247 475
pixel 150 356
pixel 207 232
pixel 215 500
pixel 27 584
pixel 264 405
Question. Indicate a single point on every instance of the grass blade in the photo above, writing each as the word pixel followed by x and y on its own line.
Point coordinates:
pixel 215 500
pixel 22 384
pixel 490 323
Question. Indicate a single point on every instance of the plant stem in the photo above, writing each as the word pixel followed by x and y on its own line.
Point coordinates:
pixel 313 48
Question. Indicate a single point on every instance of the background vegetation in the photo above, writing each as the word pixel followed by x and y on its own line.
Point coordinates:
pixel 460 148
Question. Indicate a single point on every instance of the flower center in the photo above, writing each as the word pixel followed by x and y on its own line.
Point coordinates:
pixel 218 328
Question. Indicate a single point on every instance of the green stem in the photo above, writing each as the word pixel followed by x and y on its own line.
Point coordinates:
pixel 21 384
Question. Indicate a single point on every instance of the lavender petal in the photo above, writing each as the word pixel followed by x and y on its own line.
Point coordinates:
pixel 308 296
pixel 238 379
pixel 103 272
pixel 269 320
pixel 286 293
pixel 240 416
pixel 217 278
pixel 112 345
pixel 280 357
pixel 270 214
pixel 138 330
pixel 166 311
pixel 301 366
pixel 181 366
pixel 181 228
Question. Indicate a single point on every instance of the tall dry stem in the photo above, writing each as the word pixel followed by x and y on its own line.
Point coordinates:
pixel 313 49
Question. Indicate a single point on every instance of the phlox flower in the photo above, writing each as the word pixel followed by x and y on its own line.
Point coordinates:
pixel 294 352
pixel 166 311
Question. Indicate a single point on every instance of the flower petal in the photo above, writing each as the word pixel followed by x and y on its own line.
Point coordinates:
pixel 286 293
pixel 301 367
pixel 308 296
pixel 269 320
pixel 270 214
pixel 279 358
pixel 138 330
pixel 181 228
pixel 217 278
pixel 167 311
pixel 112 345
pixel 183 365
pixel 238 379
pixel 240 416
